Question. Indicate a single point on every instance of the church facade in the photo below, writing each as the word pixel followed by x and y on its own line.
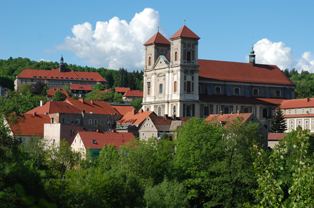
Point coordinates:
pixel 177 83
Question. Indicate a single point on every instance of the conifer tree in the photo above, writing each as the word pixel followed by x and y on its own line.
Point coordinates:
pixel 278 124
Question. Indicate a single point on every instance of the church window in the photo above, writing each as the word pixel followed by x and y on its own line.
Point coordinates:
pixel 237 91
pixel 160 88
pixel 159 111
pixel 188 86
pixel 278 93
pixel 217 90
pixel 188 56
pixel 148 88
pixel 175 86
pixel 176 56
pixel 149 61
pixel 174 110
pixel 255 92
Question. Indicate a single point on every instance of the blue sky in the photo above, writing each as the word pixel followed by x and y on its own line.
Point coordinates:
pixel 43 30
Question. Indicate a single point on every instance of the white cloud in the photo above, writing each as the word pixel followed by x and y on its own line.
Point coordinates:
pixel 114 43
pixel 277 53
pixel 44 60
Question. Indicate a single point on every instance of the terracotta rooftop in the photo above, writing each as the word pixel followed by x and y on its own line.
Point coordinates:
pixel 81 87
pixel 95 107
pixel 297 103
pixel 224 118
pixel 122 89
pixel 159 39
pixel 239 99
pixel 185 32
pixel 242 72
pixel 123 109
pixel 55 74
pixel 135 118
pixel 276 136
pixel 102 138
pixel 29 125
pixel 55 107
pixel 51 92
pixel 133 93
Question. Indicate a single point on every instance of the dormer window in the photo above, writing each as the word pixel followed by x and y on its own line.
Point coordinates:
pixel 94 141
pixel 86 79
pixel 39 76
pixel 237 91
pixel 75 78
pixel 34 76
pixel 65 78
pixel 217 90
pixel 71 78
pixel 51 77
pixel 81 78
pixel 45 77
pixel 90 78
pixel 60 77
pixel 56 77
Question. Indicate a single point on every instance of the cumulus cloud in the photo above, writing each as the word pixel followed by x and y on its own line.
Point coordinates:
pixel 277 53
pixel 114 43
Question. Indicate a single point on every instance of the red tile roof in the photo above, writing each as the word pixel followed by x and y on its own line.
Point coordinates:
pixel 240 99
pixel 242 72
pixel 51 92
pixel 123 109
pixel 55 74
pixel 159 39
pixel 133 93
pixel 95 107
pixel 227 117
pixel 135 118
pixel 102 138
pixel 298 115
pixel 276 136
pixel 185 32
pixel 81 87
pixel 55 107
pixel 122 89
pixel 297 103
pixel 161 120
pixel 29 125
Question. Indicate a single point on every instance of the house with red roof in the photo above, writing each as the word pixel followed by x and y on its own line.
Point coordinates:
pixel 122 109
pixel 121 90
pixel 274 138
pixel 80 90
pixel 132 121
pixel 177 82
pixel 58 78
pixel 131 95
pixel 298 112
pixel 157 126
pixel 51 92
pixel 96 141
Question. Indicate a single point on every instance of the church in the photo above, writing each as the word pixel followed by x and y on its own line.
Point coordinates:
pixel 178 83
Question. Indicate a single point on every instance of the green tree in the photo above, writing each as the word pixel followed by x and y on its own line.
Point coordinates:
pixel 278 124
pixel 24 88
pixel 39 88
pixel 137 103
pixel 99 87
pixel 59 96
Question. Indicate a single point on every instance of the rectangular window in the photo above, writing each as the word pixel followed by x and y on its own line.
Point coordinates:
pixel 175 86
pixel 206 111
pixel 148 88
pixel 188 86
pixel 306 124
pixel 310 110
pixel 160 88
pixel 289 112
pixel 295 111
pixel 90 121
pixel 96 122
pixel 299 123
pixel 302 110
pixel 77 121
pixel 291 124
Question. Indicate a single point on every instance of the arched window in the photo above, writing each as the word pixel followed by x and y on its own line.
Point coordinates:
pixel 176 56
pixel 188 56
pixel 255 92
pixel 278 93
pixel 217 90
pixel 175 86
pixel 159 111
pixel 149 61
pixel 174 110
pixel 237 91
pixel 160 88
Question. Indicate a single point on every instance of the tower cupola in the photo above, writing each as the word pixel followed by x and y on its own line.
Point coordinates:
pixel 61 65
pixel 252 57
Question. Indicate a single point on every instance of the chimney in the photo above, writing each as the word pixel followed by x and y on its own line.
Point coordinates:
pixel 92 102
pixel 141 111
pixel 112 130
pixel 41 103
pixel 238 112
pixel 97 130
pixel 133 112
pixel 221 113
pixel 83 113
pixel 34 114
pixel 81 100
pixel 166 116
pixel 307 99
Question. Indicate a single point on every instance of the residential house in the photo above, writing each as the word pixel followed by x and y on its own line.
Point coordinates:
pixel 96 141
pixel 274 138
pixel 121 90
pixel 3 91
pixel 80 90
pixel 51 92
pixel 131 95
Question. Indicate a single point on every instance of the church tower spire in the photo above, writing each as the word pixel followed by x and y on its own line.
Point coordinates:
pixel 252 57
pixel 61 65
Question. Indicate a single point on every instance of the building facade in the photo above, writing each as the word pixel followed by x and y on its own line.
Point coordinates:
pixel 177 82
pixel 58 78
